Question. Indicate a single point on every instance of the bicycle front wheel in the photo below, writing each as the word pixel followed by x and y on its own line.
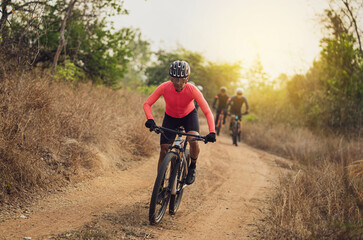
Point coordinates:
pixel 218 128
pixel 162 189
pixel 181 175
pixel 235 133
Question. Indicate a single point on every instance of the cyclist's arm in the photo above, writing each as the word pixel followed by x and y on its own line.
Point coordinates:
pixel 246 102
pixel 229 102
pixel 151 100
pixel 215 101
pixel 198 96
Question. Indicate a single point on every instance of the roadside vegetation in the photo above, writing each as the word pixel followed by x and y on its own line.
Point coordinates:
pixel 53 135
pixel 315 119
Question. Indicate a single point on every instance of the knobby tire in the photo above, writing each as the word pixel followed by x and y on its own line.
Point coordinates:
pixel 162 189
pixel 235 133
pixel 181 175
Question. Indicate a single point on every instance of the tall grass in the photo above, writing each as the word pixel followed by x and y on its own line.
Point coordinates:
pixel 51 135
pixel 322 196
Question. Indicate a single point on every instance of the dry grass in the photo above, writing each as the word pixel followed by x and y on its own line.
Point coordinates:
pixel 322 198
pixel 53 135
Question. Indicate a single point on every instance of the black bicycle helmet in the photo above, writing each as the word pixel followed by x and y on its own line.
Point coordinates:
pixel 179 69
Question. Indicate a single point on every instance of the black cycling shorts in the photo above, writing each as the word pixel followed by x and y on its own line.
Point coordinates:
pixel 190 123
pixel 239 114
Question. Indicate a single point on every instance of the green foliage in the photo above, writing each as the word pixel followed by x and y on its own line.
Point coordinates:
pixel 330 94
pixel 69 72
pixel 257 77
pixel 210 75
pixel 138 62
pixel 146 89
pixel 91 45
pixel 328 97
pixel 158 72
pixel 104 55
pixel 251 118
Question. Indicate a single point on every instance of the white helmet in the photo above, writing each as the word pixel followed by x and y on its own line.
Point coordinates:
pixel 239 90
pixel 200 88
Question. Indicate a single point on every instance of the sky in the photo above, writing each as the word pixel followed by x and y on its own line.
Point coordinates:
pixel 284 34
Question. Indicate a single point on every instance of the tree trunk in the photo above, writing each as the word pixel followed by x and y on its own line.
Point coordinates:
pixel 346 3
pixel 61 40
pixel 4 17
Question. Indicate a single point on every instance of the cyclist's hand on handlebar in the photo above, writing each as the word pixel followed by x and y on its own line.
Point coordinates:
pixel 150 123
pixel 211 137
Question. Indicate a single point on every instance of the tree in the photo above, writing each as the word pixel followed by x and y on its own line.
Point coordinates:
pixel 210 75
pixel 330 95
pixel 61 38
pixel 256 75
pixel 63 34
pixel 342 17
pixel 158 72
pixel 138 62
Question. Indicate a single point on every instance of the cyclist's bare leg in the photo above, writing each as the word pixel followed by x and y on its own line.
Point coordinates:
pixel 194 146
pixel 163 152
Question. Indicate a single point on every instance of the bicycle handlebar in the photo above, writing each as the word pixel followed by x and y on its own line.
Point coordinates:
pixel 162 129
pixel 245 113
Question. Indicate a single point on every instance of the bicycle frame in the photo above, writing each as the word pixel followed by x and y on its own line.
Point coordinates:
pixel 180 146
pixel 238 123
pixel 180 150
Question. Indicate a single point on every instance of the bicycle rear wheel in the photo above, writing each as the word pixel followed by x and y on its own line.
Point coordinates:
pixel 162 188
pixel 181 175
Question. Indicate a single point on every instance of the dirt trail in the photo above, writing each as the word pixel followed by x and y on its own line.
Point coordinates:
pixel 230 185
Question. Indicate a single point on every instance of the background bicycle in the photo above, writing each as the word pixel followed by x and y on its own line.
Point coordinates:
pixel 236 128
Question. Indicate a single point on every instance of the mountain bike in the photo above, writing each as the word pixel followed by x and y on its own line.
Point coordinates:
pixel 219 122
pixel 171 179
pixel 236 129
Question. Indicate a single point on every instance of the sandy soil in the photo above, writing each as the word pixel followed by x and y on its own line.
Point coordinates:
pixel 230 186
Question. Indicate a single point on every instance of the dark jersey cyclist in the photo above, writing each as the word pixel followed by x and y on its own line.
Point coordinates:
pixel 235 104
pixel 222 99
pixel 180 111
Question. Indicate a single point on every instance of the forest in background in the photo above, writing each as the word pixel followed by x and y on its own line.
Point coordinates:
pixel 313 118
pixel 76 43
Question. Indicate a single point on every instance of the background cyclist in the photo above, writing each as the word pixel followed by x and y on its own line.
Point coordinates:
pixel 222 99
pixel 235 103
pixel 180 111
pixel 200 88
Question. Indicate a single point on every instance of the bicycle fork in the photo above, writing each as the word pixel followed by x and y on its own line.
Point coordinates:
pixel 177 169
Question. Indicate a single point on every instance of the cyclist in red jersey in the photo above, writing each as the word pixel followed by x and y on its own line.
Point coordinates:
pixel 180 111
